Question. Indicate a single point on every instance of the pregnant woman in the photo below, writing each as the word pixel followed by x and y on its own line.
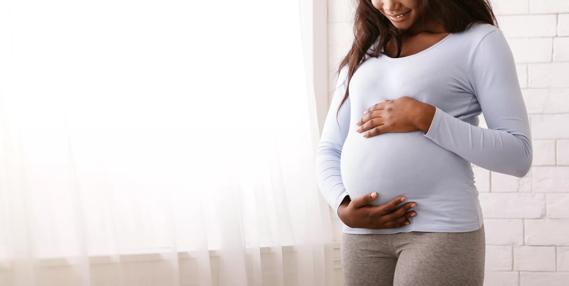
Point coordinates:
pixel 395 154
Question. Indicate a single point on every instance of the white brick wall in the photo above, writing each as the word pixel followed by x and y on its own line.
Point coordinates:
pixel 562 258
pixel 551 74
pixel 531 50
pixel 546 100
pixel 498 258
pixel 548 6
pixel 526 219
pixel 562 153
pixel 534 258
pixel 561 49
pixel 502 278
pixel 528 25
pixel 563 25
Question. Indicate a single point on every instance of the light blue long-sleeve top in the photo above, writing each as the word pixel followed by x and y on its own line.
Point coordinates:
pixel 462 75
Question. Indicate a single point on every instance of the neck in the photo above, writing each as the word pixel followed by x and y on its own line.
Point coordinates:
pixel 425 26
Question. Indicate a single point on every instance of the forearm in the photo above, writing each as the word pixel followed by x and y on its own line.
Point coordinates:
pixel 504 151
pixel 334 133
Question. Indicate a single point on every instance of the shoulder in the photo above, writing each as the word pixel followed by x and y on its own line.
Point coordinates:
pixel 483 41
pixel 489 56
pixel 481 29
pixel 477 32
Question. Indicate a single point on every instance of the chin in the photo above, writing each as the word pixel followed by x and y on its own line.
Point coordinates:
pixel 401 26
pixel 406 24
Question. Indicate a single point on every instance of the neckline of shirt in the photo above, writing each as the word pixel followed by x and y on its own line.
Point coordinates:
pixel 424 51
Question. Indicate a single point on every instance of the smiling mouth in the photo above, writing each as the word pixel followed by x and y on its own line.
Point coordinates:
pixel 399 16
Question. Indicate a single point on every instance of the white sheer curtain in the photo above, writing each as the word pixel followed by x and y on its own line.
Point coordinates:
pixel 158 143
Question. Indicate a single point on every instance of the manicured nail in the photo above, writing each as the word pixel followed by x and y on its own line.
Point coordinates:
pixel 402 199
pixel 373 195
pixel 413 205
pixel 413 214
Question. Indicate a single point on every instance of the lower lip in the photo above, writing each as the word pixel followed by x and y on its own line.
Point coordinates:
pixel 402 18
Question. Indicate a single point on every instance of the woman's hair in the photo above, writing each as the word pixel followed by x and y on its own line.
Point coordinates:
pixel 370 24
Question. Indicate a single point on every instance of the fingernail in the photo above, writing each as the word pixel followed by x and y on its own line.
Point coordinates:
pixel 413 205
pixel 407 222
pixel 413 214
pixel 402 199
pixel 373 195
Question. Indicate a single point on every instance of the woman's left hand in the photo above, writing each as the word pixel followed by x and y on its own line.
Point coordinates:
pixel 404 114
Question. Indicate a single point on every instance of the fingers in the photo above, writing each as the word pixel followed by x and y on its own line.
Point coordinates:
pixel 394 213
pixel 369 116
pixel 402 221
pixel 370 124
pixel 396 219
pixel 364 200
pixel 400 212
pixel 390 206
pixel 375 131
pixel 378 106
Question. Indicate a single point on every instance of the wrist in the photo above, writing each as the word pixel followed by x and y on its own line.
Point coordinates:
pixel 345 202
pixel 424 118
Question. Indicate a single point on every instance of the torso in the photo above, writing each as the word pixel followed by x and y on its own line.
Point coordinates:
pixel 432 69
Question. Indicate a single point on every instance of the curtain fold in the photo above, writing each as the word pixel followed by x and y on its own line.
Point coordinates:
pixel 159 143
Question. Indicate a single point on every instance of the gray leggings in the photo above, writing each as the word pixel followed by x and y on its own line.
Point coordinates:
pixel 414 258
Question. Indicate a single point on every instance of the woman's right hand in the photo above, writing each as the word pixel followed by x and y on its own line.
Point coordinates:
pixel 360 213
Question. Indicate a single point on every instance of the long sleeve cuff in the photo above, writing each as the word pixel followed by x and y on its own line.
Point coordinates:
pixel 435 123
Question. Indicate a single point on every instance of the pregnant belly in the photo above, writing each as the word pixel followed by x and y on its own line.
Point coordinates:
pixel 406 163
